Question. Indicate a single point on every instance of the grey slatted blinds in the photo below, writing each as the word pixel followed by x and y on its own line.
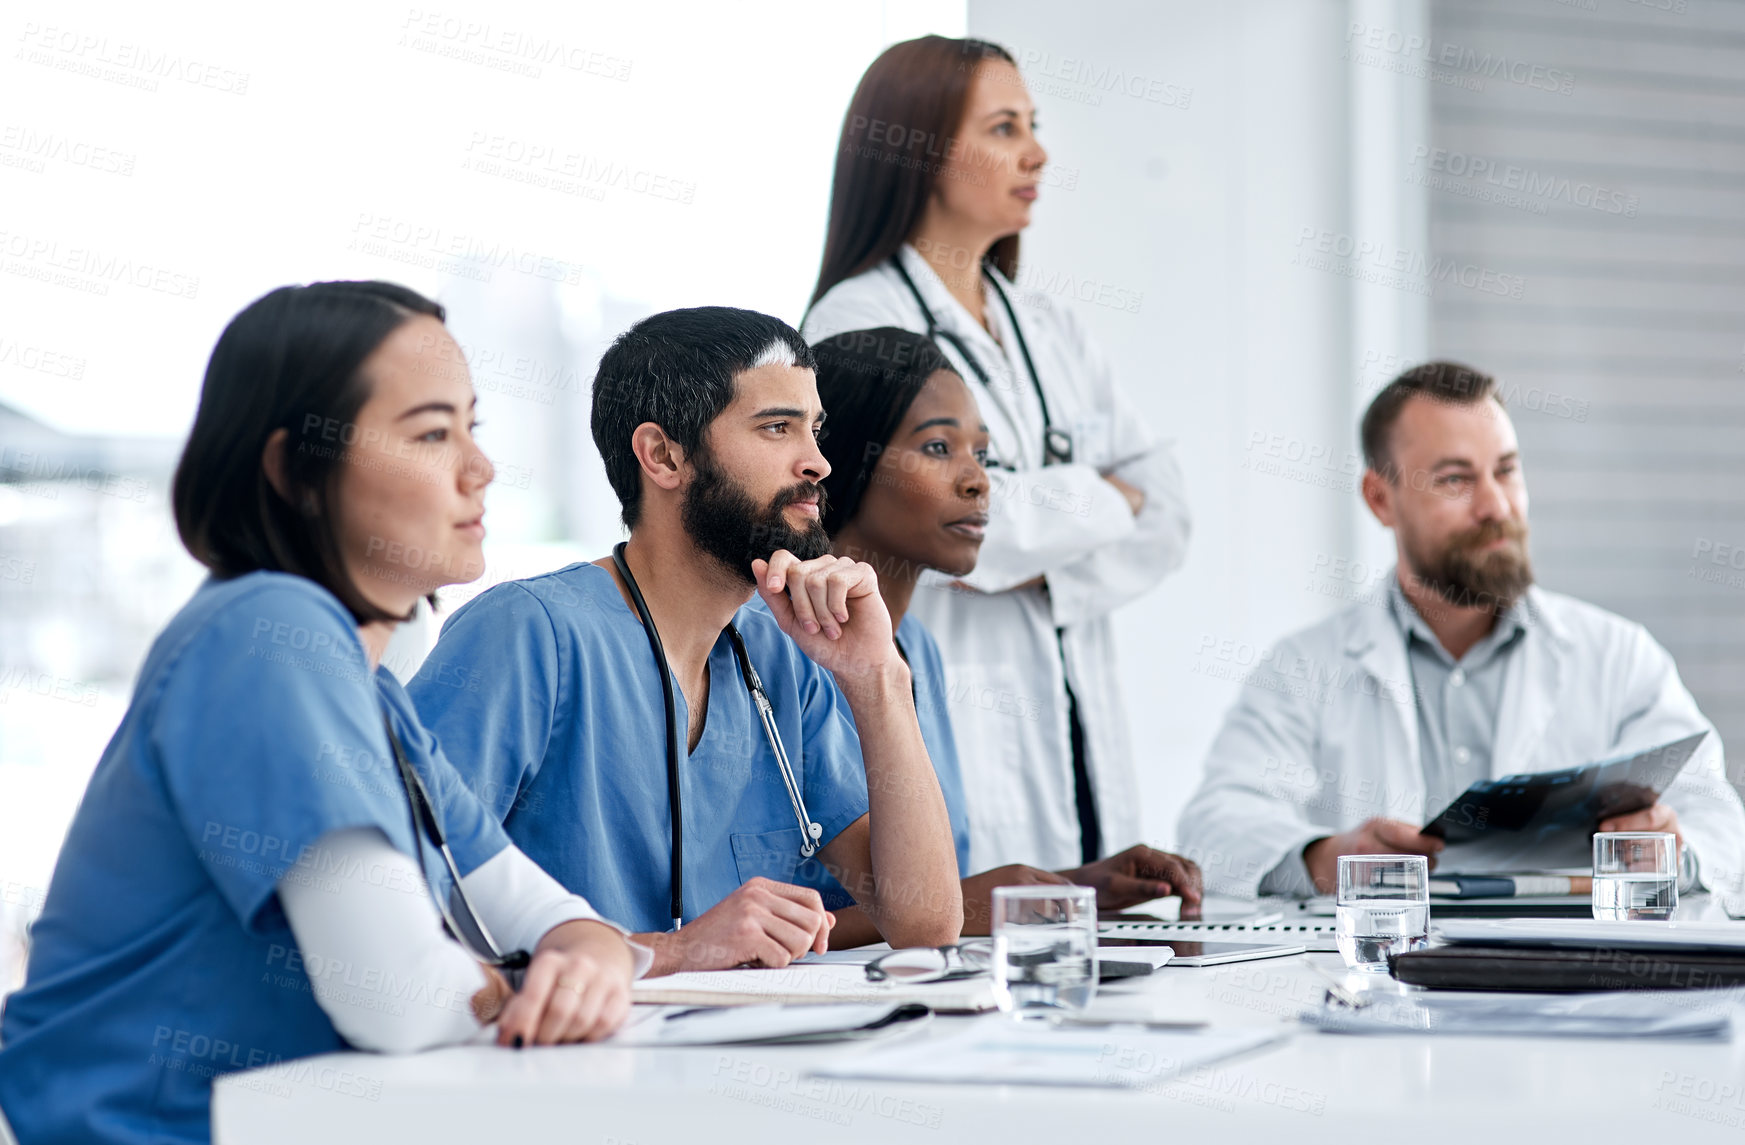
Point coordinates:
pixel 1596 150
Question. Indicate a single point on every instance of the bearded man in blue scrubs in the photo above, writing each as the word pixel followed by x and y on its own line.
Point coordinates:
pixel 548 697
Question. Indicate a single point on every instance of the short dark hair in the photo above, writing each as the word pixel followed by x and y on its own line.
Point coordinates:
pixel 677 370
pixel 1443 381
pixel 867 380
pixel 291 360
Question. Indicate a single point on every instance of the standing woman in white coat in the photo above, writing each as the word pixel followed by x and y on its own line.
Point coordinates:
pixel 936 173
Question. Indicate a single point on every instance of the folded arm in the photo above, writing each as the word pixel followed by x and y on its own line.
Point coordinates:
pixel 1045 519
pixel 1124 569
pixel 1073 526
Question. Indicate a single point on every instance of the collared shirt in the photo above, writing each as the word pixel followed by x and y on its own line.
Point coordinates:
pixel 545 695
pixel 1457 700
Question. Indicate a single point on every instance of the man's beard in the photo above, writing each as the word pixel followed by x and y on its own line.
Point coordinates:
pixel 1466 576
pixel 726 522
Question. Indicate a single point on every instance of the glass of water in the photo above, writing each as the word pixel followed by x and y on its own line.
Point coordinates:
pixel 1635 875
pixel 1045 949
pixel 1383 908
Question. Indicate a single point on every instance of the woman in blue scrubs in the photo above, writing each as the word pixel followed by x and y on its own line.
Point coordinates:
pixel 907 493
pixel 243 885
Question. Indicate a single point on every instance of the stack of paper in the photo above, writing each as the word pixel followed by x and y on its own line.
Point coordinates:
pixel 1003 1051
pixel 1591 932
pixel 1638 1015
pixel 809 983
pixel 766 1025
pixel 1156 957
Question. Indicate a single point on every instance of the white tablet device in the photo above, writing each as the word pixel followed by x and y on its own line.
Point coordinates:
pixel 1190 953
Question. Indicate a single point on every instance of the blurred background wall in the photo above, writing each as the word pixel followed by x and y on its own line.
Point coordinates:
pixel 1264 208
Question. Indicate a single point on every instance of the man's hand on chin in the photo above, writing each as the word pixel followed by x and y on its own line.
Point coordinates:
pixel 832 609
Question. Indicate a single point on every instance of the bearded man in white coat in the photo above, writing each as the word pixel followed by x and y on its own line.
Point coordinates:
pixel 1356 730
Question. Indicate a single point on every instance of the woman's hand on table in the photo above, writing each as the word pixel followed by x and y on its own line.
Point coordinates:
pixel 576 989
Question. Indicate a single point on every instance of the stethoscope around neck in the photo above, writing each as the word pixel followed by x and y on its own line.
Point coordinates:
pixel 427 823
pixel 810 832
pixel 1056 442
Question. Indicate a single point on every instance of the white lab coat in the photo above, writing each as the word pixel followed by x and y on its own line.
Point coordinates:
pixel 1004 675
pixel 1325 735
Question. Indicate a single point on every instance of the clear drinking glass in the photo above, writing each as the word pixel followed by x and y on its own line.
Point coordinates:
pixel 1383 908
pixel 1045 949
pixel 1635 875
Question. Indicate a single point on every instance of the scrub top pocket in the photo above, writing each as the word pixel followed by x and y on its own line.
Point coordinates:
pixel 772 854
pixel 776 855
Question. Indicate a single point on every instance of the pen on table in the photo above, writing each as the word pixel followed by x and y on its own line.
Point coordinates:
pixel 692 1010
pixel 1133 1023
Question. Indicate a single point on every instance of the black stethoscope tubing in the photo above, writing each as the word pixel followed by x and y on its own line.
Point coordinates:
pixel 425 822
pixel 1056 442
pixel 810 832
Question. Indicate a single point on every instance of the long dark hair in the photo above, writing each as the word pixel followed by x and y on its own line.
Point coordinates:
pixel 901 124
pixel 867 380
pixel 290 360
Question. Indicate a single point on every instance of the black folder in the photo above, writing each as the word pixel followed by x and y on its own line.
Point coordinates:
pixel 1562 970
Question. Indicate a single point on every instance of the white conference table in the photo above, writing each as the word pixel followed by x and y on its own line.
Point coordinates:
pixel 1312 1087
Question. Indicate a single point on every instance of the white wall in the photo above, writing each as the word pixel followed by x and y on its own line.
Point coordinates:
pixel 1196 193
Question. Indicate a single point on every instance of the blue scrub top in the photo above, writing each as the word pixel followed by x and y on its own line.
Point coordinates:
pixel 545 694
pixel 933 708
pixel 162 957
pixel 927 671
